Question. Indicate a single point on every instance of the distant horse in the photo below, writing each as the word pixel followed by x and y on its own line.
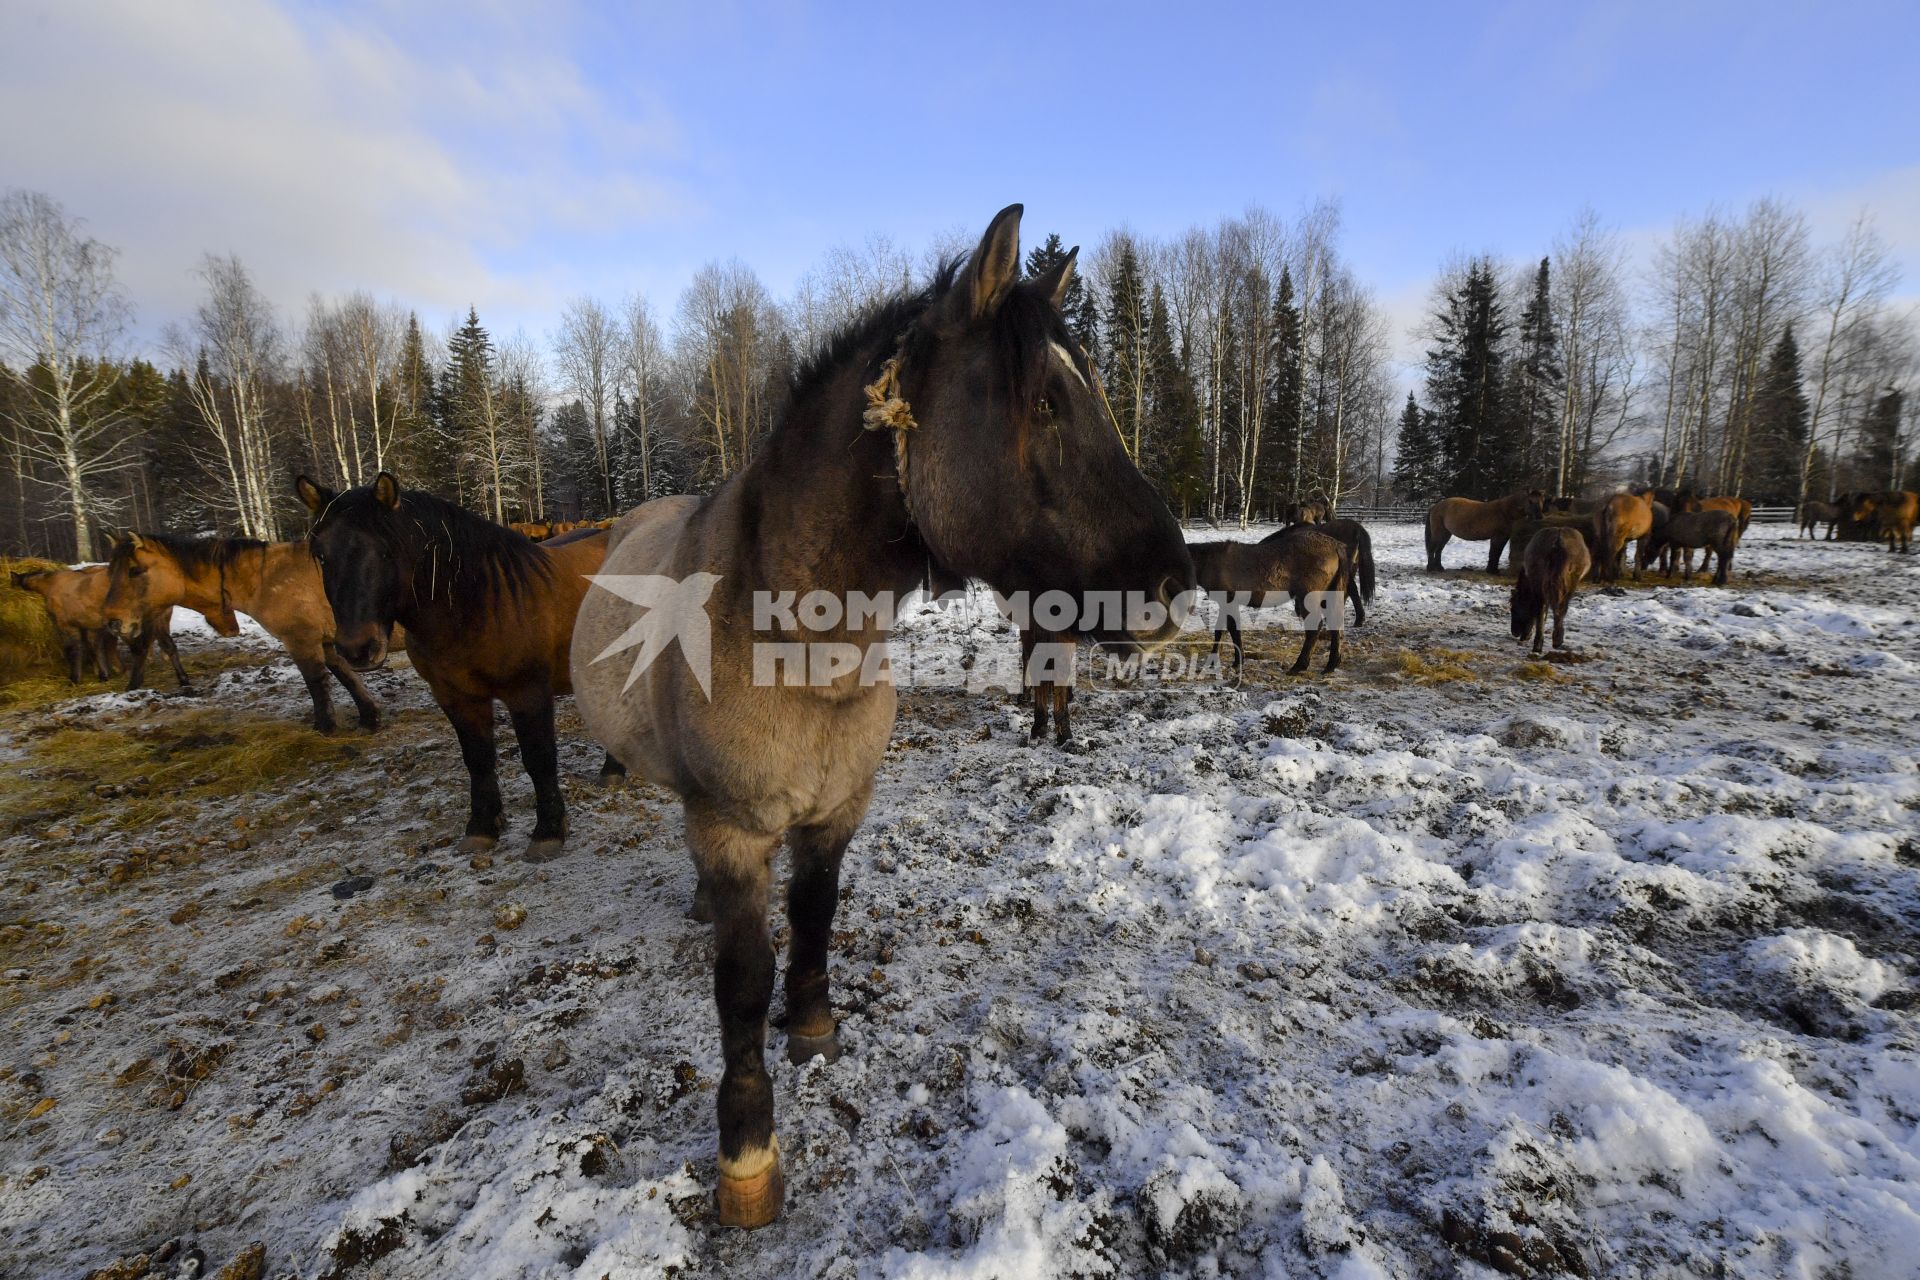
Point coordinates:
pixel 1890 514
pixel 1310 511
pixel 488 614
pixel 1296 564
pixel 957 425
pixel 1739 508
pixel 1474 521
pixel 1817 513
pixel 537 530
pixel 1550 569
pixel 76 600
pixel 1360 545
pixel 274 583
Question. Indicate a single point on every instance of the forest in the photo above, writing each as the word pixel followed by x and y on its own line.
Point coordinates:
pixel 1247 365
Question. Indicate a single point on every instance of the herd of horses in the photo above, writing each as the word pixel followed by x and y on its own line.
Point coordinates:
pixel 956 432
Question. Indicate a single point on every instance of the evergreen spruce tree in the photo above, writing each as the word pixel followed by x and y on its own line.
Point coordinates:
pixel 1535 393
pixel 1880 441
pixel 1285 452
pixel 1416 463
pixel 1779 439
pixel 1476 442
pixel 1122 359
pixel 1178 461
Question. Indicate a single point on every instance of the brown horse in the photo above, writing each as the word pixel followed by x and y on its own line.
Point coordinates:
pixel 1360 546
pixel 1891 515
pixel 488 616
pixel 1817 513
pixel 537 530
pixel 1739 508
pixel 1301 563
pixel 1584 523
pixel 1474 521
pixel 274 583
pixel 1717 533
pixel 1550 569
pixel 956 426
pixel 76 600
pixel 1311 511
pixel 1622 518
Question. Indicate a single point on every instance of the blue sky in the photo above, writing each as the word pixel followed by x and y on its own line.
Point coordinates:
pixel 486 153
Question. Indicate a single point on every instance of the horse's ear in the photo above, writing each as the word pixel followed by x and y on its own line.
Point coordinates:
pixel 386 490
pixel 1057 281
pixel 994 266
pixel 315 496
pixel 134 540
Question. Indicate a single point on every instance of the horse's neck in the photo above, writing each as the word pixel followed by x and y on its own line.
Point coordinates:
pixel 236 586
pixel 819 510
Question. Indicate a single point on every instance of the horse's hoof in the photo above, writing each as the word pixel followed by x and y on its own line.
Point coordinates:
pixel 545 849
pixel 475 844
pixel 803 1048
pixel 701 912
pixel 752 1202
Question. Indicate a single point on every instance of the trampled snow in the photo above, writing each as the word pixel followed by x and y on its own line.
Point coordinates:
pixel 1449 964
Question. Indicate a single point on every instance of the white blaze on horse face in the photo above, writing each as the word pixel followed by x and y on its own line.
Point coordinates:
pixel 1066 358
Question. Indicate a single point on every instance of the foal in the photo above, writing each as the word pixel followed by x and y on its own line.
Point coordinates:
pixel 957 426
pixel 76 600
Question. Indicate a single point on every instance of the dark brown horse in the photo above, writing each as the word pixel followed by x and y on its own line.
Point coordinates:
pixel 1716 533
pixel 958 425
pixel 1813 514
pixel 76 601
pixel 1890 514
pixel 1471 520
pixel 1359 542
pixel 1550 568
pixel 1301 564
pixel 488 615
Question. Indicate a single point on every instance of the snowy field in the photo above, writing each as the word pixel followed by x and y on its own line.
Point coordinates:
pixel 1449 964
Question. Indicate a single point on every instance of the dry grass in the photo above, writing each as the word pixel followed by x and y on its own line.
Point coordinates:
pixel 130 776
pixel 1542 672
pixel 28 646
pixel 1435 666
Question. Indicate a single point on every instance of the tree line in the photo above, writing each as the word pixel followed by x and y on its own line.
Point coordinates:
pixel 1245 365
pixel 1748 360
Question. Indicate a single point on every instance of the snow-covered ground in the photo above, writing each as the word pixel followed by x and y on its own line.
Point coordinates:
pixel 1447 964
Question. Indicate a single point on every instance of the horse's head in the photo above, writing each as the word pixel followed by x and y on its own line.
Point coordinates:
pixel 142 575
pixel 1862 506
pixel 354 541
pixel 1014 469
pixel 1536 503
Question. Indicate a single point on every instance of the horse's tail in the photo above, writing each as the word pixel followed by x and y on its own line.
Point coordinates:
pixel 1746 516
pixel 1365 547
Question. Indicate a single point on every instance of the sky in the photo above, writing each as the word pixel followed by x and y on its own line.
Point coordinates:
pixel 511 156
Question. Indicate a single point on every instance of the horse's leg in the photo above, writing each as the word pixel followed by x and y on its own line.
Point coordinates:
pixel 350 681
pixel 1495 545
pixel 1436 541
pixel 611 771
pixel 473 724
pixel 1239 649
pixel 314 672
pixel 137 651
pixel 1338 624
pixel 533 726
pixel 733 863
pixel 76 648
pixel 1306 651
pixel 172 650
pixel 813 893
pixel 1062 695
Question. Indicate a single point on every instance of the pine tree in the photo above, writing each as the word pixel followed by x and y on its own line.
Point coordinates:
pixel 1476 445
pixel 422 453
pixel 1779 440
pixel 1535 391
pixel 1416 464
pixel 1123 358
pixel 1177 460
pixel 1286 456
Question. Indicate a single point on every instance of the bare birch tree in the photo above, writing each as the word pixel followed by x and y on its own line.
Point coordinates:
pixel 232 355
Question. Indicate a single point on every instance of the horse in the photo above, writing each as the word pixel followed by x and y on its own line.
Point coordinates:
pixel 1550 569
pixel 1584 523
pixel 1474 521
pixel 1817 513
pixel 1739 508
pixel 488 616
pixel 535 530
pixel 1622 518
pixel 1890 514
pixel 76 601
pixel 1312 511
pixel 274 583
pixel 1299 563
pixel 957 425
pixel 1715 532
pixel 1360 545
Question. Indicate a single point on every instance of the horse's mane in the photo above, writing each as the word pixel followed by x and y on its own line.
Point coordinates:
pixel 1022 328
pixel 451 553
pixel 193 553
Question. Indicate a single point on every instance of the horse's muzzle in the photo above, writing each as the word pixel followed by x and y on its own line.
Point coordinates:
pixel 122 630
pixel 364 655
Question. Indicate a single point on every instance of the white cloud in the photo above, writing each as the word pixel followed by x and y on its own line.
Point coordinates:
pixel 328 155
